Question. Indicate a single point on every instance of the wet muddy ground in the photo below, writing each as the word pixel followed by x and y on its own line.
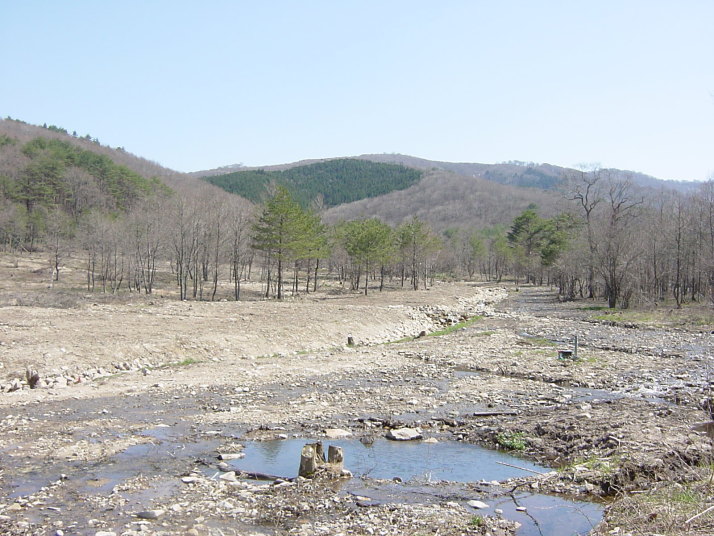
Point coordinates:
pixel 124 435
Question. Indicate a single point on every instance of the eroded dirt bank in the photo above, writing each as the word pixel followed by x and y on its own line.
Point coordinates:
pixel 135 401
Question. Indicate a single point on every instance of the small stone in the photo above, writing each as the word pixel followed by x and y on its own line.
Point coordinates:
pixel 337 433
pixel 189 479
pixel 150 514
pixel 479 505
pixel 431 440
pixel 282 436
pixel 404 434
pixel 229 476
pixel 231 456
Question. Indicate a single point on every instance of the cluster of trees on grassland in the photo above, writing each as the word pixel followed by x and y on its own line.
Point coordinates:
pixel 290 236
pixel 208 238
pixel 338 181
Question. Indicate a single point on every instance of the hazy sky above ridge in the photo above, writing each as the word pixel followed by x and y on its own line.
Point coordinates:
pixel 198 85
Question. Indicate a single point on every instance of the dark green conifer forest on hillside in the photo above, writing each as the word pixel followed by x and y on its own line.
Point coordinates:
pixel 338 181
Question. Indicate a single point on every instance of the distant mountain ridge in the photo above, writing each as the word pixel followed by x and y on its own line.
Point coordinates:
pixel 524 174
pixel 514 173
pixel 452 194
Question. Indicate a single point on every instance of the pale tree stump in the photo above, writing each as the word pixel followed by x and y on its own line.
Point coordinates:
pixel 308 461
pixel 336 458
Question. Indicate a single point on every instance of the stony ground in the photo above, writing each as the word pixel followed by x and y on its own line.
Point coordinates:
pixel 134 399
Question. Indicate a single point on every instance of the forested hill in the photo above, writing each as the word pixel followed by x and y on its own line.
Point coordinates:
pixel 24 132
pixel 51 179
pixel 48 172
pixel 338 181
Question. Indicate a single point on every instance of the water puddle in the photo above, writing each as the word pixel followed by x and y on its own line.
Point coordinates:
pixel 156 457
pixel 466 373
pixel 444 471
pixel 545 515
pixel 408 460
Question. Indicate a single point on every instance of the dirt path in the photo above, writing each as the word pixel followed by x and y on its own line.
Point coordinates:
pixel 136 399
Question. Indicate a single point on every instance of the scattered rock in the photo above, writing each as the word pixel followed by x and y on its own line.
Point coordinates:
pixel 337 433
pixel 150 514
pixel 404 434
pixel 231 455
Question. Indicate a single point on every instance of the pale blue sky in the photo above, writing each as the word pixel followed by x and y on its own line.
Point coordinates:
pixel 197 85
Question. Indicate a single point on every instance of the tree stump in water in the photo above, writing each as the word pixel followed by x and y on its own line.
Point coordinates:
pixel 312 461
pixel 308 461
pixel 336 458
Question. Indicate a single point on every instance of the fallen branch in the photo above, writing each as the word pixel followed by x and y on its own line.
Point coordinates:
pixel 698 515
pixel 494 413
pixel 521 468
pixel 260 476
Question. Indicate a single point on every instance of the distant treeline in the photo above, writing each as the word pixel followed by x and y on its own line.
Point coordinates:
pixel 610 239
pixel 337 181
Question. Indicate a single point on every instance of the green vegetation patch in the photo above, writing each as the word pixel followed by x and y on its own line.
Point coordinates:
pixel 511 440
pixel 665 315
pixel 338 181
pixel 476 521
pixel 44 182
pixel 455 327
pixel 485 333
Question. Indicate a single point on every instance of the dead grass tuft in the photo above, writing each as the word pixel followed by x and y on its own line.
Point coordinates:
pixel 667 508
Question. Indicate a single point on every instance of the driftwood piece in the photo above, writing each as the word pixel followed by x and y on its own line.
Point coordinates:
pixel 261 476
pixel 495 413
pixel 688 521
pixel 521 468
